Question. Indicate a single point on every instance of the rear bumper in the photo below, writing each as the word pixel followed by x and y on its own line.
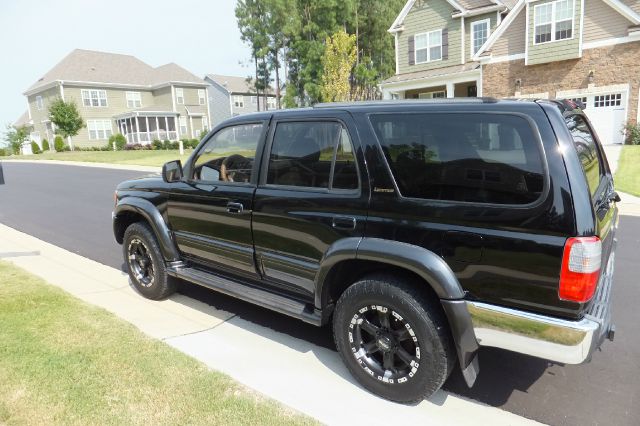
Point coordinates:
pixel 555 339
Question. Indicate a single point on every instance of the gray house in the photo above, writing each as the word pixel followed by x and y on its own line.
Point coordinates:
pixel 230 96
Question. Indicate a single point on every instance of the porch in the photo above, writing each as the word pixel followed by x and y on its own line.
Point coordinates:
pixel 144 127
pixel 449 82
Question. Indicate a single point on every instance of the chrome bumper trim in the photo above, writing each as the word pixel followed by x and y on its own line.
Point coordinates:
pixel 567 342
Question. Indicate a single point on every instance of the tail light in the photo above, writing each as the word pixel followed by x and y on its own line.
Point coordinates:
pixel 580 269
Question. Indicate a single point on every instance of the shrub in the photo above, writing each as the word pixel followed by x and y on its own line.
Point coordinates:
pixel 3 152
pixel 203 134
pixel 633 134
pixel 35 148
pixel 137 147
pixel 45 145
pixel 194 143
pixel 157 144
pixel 119 140
pixel 58 144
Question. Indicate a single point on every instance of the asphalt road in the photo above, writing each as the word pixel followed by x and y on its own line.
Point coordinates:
pixel 70 207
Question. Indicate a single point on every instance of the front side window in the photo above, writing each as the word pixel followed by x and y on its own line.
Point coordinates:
pixel 229 155
pixel 428 46
pixel 587 150
pixel 180 96
pixel 479 158
pixel 479 34
pixel 313 155
pixel 134 100
pixel 94 98
pixel 99 129
pixel 553 21
pixel 238 101
pixel 201 97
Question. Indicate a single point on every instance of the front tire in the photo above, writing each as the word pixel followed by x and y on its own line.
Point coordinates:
pixel 145 263
pixel 395 341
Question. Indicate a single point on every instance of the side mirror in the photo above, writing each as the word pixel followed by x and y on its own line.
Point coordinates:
pixel 172 171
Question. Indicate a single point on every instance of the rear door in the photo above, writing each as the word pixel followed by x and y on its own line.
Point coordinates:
pixel 313 191
pixel 599 179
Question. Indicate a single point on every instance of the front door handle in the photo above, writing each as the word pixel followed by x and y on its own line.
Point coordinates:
pixel 344 222
pixel 235 208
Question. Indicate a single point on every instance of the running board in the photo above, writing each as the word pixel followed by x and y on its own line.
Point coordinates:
pixel 275 302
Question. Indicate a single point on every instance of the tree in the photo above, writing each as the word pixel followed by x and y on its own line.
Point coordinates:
pixel 15 136
pixel 66 118
pixel 337 62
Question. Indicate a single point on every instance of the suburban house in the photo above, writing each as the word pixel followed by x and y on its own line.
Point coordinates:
pixel 120 94
pixel 230 96
pixel 587 50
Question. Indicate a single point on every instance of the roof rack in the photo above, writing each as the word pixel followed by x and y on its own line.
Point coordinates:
pixel 483 100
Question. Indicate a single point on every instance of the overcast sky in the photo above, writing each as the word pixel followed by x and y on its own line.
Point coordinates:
pixel 201 36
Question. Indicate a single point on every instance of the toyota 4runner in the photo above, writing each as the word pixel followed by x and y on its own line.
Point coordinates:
pixel 421 230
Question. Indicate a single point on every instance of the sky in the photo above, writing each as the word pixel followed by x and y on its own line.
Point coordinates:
pixel 201 36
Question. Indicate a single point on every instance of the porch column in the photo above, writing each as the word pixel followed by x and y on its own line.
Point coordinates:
pixel 450 90
pixel 191 125
pixel 137 138
pixel 166 126
pixel 148 132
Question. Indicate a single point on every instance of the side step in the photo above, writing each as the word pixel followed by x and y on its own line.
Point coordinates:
pixel 275 302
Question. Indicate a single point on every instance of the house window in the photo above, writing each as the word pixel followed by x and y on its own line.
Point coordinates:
pixel 271 102
pixel 39 103
pixel 201 97
pixel 238 101
pixel 94 98
pixel 205 123
pixel 479 34
pixel 553 21
pixel 183 125
pixel 611 99
pixel 428 47
pixel 180 96
pixel 134 100
pixel 582 100
pixel 254 100
pixel 99 129
pixel 432 95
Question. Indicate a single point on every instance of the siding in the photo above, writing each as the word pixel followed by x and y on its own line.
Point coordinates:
pixel 163 98
pixel 633 4
pixel 190 102
pixel 432 15
pixel 601 21
pixel 513 40
pixel 38 116
pixel 493 17
pixel 218 104
pixel 557 50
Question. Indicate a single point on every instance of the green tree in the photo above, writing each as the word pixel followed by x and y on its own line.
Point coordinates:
pixel 15 136
pixel 337 62
pixel 66 118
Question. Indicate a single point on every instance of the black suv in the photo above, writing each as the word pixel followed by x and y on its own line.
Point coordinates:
pixel 422 230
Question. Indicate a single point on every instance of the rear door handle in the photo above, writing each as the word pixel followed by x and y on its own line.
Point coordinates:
pixel 344 222
pixel 235 208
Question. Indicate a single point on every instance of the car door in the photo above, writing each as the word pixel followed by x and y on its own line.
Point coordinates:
pixel 313 191
pixel 210 211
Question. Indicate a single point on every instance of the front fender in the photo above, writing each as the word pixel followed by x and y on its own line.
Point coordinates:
pixel 152 215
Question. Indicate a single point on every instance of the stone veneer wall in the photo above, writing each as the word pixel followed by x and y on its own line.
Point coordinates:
pixel 619 64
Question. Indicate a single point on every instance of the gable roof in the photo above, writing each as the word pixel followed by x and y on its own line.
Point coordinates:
pixel 112 68
pixel 234 84
pixel 23 120
pixel 616 4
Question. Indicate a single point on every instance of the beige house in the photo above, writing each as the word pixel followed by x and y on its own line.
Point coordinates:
pixel 120 94
pixel 586 50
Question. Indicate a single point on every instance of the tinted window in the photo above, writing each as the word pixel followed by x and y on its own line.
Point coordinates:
pixel 229 155
pixel 484 158
pixel 587 150
pixel 312 154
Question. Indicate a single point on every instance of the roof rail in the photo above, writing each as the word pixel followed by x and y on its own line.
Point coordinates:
pixel 482 100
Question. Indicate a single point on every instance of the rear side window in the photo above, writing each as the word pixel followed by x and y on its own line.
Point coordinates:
pixel 481 158
pixel 587 150
pixel 312 154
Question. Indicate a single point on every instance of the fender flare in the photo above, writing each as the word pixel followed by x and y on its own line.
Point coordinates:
pixel 152 215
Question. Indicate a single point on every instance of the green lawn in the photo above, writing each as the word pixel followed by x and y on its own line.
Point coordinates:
pixel 65 362
pixel 628 174
pixel 139 158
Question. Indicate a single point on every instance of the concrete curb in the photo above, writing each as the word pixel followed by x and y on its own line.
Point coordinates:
pixel 306 377
pixel 150 169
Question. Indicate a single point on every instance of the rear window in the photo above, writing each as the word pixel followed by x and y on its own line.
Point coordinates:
pixel 587 150
pixel 482 158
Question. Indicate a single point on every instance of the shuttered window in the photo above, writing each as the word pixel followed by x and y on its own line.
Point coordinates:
pixel 428 46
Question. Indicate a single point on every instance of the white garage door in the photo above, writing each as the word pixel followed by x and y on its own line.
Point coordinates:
pixel 607 112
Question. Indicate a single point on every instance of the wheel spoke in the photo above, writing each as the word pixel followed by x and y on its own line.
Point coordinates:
pixel 371 347
pixel 367 326
pixel 404 356
pixel 401 334
pixel 387 360
pixel 384 319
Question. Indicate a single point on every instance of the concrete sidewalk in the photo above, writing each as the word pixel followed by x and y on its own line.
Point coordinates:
pixel 308 378
pixel 150 169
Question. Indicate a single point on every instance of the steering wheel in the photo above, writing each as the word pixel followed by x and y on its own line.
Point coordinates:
pixel 224 171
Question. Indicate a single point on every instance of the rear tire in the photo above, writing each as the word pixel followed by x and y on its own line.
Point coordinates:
pixel 394 340
pixel 145 263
